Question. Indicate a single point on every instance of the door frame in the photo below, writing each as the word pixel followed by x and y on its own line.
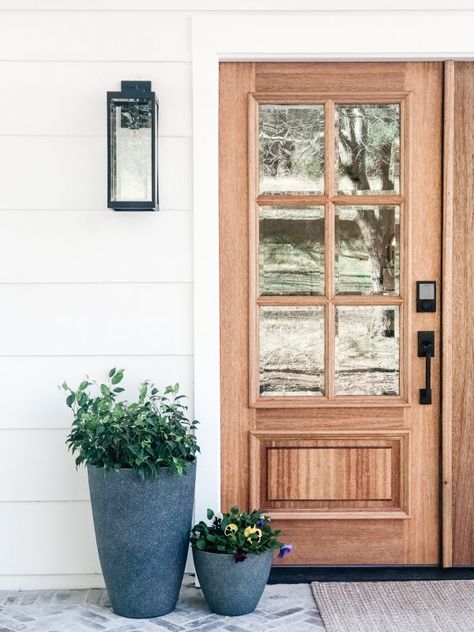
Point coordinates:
pixel 247 37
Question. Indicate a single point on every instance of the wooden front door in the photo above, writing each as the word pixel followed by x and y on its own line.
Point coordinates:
pixel 330 212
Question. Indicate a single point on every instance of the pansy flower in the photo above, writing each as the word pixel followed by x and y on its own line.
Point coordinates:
pixel 249 531
pixel 285 550
pixel 240 556
pixel 230 529
pixel 263 520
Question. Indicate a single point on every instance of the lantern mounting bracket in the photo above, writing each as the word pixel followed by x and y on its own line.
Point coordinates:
pixel 138 86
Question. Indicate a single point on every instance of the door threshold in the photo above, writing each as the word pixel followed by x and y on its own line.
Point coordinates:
pixel 306 574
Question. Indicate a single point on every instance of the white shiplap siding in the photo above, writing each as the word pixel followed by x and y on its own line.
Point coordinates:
pixel 81 288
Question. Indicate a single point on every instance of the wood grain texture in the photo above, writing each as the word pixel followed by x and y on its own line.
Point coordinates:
pixel 425 82
pixel 330 77
pixel 344 542
pixel 236 80
pixel 463 317
pixel 336 473
pixel 447 319
pixel 402 529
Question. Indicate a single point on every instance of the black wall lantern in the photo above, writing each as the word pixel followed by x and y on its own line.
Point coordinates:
pixel 132 170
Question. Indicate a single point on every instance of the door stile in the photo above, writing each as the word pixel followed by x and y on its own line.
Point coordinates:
pixel 447 298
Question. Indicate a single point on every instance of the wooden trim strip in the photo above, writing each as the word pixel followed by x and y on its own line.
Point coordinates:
pixel 406 254
pixel 447 317
pixel 367 300
pixel 325 434
pixel 367 200
pixel 291 200
pixel 339 200
pixel 319 98
pixel 253 227
pixel 342 514
pixel 340 401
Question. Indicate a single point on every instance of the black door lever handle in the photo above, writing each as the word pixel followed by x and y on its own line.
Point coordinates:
pixel 426 349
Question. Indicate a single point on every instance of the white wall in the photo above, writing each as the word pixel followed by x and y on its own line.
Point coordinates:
pixel 83 288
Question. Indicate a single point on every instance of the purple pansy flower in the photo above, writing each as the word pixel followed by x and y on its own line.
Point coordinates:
pixel 285 550
pixel 240 556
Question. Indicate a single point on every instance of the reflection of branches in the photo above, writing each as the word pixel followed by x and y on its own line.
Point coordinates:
pixel 291 139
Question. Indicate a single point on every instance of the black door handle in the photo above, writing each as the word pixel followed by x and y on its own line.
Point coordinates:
pixel 426 349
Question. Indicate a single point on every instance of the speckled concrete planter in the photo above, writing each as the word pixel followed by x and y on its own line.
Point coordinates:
pixel 232 588
pixel 142 530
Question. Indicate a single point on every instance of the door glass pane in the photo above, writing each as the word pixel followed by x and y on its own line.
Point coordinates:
pixel 291 351
pixel 291 149
pixel 367 249
pixel 291 250
pixel 368 148
pixel 367 350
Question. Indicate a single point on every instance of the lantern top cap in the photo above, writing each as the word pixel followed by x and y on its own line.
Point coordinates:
pixel 136 86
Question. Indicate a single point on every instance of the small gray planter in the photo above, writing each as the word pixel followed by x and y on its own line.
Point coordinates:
pixel 232 588
pixel 142 531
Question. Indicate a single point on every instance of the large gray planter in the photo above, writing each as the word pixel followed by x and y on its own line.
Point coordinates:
pixel 142 532
pixel 232 588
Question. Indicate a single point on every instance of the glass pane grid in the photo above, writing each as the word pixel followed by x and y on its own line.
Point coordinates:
pixel 364 361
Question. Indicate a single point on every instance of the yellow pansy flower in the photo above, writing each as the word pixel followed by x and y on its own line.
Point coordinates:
pixel 230 528
pixel 249 531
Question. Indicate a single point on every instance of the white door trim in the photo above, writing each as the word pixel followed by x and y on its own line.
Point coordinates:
pixel 371 35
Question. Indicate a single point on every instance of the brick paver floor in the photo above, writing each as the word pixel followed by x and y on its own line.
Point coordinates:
pixel 283 607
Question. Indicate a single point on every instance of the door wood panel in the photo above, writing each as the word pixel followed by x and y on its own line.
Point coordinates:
pixel 331 473
pixel 351 479
pixel 306 474
pixel 460 387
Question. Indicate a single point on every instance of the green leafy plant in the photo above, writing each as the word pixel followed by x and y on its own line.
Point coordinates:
pixel 238 533
pixel 144 435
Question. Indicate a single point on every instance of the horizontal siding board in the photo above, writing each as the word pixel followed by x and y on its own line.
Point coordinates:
pixel 44 406
pixel 121 36
pixel 51 582
pixel 69 99
pixel 45 172
pixel 51 472
pixel 100 319
pixel 47 538
pixel 236 5
pixel 100 246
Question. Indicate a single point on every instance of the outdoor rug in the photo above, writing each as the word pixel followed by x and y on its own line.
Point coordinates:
pixel 422 606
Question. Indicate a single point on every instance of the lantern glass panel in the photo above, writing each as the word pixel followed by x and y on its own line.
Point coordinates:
pixel 131 150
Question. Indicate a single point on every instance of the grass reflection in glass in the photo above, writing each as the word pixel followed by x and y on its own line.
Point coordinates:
pixel 367 350
pixel 291 250
pixel 291 351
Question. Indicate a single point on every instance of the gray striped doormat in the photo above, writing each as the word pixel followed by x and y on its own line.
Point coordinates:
pixel 438 606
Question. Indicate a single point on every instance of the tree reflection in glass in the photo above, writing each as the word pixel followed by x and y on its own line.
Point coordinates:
pixel 367 249
pixel 368 148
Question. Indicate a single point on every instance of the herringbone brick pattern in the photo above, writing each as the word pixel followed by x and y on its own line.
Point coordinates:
pixel 283 607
